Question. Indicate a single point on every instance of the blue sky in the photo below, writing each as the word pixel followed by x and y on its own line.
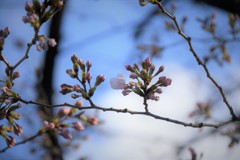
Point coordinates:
pixel 101 31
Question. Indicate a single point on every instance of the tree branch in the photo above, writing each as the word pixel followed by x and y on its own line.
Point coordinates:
pixel 199 61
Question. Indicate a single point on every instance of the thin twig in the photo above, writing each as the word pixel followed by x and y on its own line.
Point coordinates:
pixel 200 62
pixel 22 142
pixel 149 114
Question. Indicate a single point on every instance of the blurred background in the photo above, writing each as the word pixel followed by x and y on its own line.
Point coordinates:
pixel 112 34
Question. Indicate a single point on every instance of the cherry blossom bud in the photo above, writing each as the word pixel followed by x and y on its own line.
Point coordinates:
pixel 99 80
pixel 88 77
pixel 11 141
pixel 16 75
pixel 74 58
pixel 77 88
pixel 52 42
pixel 148 62
pixel 28 6
pixel 17 129
pixel 81 64
pixel 158 90
pixel 126 92
pixel 71 73
pixel 89 65
pixel 93 121
pixel 129 68
pixel 66 89
pixel 78 126
pixel 64 111
pixel 133 76
pixel 65 133
pixel 161 69
pixel 79 103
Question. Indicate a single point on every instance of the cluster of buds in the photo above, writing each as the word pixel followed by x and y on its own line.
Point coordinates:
pixel 44 42
pixel 37 13
pixel 143 78
pixel 3 35
pixel 209 23
pixel 203 110
pixel 233 18
pixel 59 125
pixel 10 140
pixel 7 112
pixel 81 72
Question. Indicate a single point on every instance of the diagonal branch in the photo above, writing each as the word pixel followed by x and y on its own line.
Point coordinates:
pixel 23 142
pixel 199 61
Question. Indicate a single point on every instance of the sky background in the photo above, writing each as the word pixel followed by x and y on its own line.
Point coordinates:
pixel 102 31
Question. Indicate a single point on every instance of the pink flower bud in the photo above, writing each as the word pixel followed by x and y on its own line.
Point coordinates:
pixel 93 121
pixel 79 103
pixel 77 88
pixel 133 76
pixel 78 126
pixel 11 141
pixel 88 77
pixel 129 68
pixel 148 61
pixel 66 89
pixel 89 65
pixel 126 92
pixel 158 90
pixel 17 129
pixel 99 80
pixel 65 133
pixel 16 75
pixel 64 111
pixel 52 42
pixel 28 6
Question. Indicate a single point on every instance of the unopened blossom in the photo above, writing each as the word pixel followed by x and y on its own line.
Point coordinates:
pixel 99 80
pixel 158 90
pixel 52 42
pixel 133 76
pixel 93 121
pixel 28 6
pixel 79 103
pixel 17 129
pixel 65 133
pixel 64 111
pixel 77 88
pixel 11 141
pixel 88 77
pixel 118 83
pixel 126 92
pixel 48 125
pixel 66 88
pixel 89 65
pixel 78 126
pixel 16 75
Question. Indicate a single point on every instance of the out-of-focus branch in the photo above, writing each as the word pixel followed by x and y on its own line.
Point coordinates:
pixel 23 142
pixel 199 61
